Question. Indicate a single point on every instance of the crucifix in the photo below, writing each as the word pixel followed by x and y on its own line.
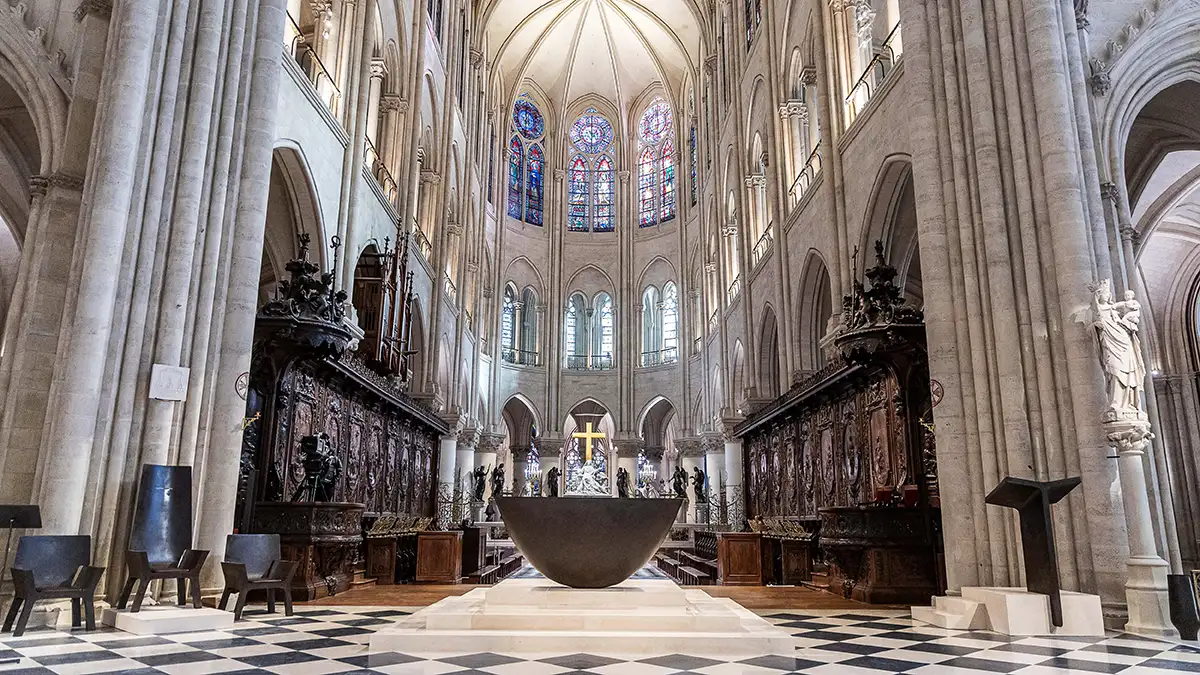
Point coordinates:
pixel 588 436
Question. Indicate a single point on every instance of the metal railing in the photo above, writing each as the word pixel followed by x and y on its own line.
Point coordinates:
pixel 421 242
pixel 597 362
pixel 735 288
pixel 520 357
pixel 310 63
pixel 873 75
pixel 387 183
pixel 712 321
pixel 450 288
pixel 763 247
pixel 697 344
pixel 660 357
pixel 807 176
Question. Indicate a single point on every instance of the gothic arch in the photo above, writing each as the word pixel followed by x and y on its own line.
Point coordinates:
pixel 657 271
pixel 592 278
pixel 891 217
pixel 300 203
pixel 770 377
pixel 522 272
pixel 521 416
pixel 815 308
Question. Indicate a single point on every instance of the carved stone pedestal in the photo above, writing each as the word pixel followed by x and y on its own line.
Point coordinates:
pixel 323 537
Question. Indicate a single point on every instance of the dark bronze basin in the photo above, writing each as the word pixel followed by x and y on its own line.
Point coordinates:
pixel 587 542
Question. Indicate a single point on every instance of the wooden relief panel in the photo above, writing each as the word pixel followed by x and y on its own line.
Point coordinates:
pixel 386 453
pixel 836 451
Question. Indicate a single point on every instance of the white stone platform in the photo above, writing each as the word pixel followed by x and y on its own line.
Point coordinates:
pixel 1014 611
pixel 636 616
pixel 164 619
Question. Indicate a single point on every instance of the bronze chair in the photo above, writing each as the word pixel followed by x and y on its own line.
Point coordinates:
pixel 161 539
pixel 53 568
pixel 252 563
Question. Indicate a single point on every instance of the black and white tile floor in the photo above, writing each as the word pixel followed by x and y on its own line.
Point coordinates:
pixel 323 641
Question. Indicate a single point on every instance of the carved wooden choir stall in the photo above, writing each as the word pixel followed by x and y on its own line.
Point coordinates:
pixel 845 459
pixel 332 442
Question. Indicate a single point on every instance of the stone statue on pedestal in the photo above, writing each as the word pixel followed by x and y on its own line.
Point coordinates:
pixel 622 483
pixel 478 483
pixel 679 482
pixel 498 480
pixel 698 485
pixel 552 481
pixel 1117 325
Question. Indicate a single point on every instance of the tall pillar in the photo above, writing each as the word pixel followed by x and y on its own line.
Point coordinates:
pixel 550 455
pixel 516 473
pixel 447 481
pixel 714 470
pixel 66 452
pixel 734 499
pixel 374 109
pixel 464 463
pixel 218 490
pixel 626 449
pixel 691 456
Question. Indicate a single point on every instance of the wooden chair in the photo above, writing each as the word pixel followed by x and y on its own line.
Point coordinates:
pixel 252 563
pixel 53 567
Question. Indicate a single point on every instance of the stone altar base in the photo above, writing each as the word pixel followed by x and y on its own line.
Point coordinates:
pixel 1014 611
pixel 163 619
pixel 539 616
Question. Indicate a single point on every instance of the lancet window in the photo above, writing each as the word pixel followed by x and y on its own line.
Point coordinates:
pixel 590 178
pixel 527 163
pixel 656 165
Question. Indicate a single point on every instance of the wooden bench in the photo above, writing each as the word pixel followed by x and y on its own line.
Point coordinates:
pixel 690 576
pixel 488 575
pixel 670 566
pixel 701 563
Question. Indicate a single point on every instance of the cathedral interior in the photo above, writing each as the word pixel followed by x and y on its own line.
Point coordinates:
pixel 844 276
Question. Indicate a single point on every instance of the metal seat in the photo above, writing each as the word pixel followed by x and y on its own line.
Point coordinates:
pixel 53 567
pixel 252 563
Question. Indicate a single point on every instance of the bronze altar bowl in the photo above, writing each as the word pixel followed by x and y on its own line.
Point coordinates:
pixel 588 542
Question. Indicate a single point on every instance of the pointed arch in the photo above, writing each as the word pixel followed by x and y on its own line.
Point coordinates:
pixel 770 377
pixel 816 306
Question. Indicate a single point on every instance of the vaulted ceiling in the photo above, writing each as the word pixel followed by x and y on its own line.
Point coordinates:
pixel 616 49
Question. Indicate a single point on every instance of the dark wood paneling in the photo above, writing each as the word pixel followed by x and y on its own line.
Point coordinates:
pixel 439 557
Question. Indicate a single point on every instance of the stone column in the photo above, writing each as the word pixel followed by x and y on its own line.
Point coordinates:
pixel 714 470
pixel 217 493
pixel 66 452
pixel 374 109
pixel 447 486
pixel 626 449
pixel 734 499
pixel 550 455
pixel 1146 584
pixel 516 478
pixel 691 455
pixel 464 463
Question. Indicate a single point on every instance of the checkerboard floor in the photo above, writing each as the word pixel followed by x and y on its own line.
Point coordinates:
pixel 327 640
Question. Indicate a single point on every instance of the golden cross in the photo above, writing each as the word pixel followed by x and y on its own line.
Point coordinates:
pixel 587 437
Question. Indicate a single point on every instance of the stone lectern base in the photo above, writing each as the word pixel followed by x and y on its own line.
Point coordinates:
pixel 538 615
pixel 164 619
pixel 1014 611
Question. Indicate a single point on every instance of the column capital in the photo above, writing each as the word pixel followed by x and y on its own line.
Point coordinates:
pixel 476 57
pixel 689 447
pixel 378 68
pixel 756 180
pixel 456 421
pixel 1110 192
pixel 548 446
pixel 794 108
pixel 710 63
pixel 712 444
pixel 490 442
pixel 430 176
pixel 99 8
pixel 560 175
pixel 623 176
pixel 392 103
pixel 468 438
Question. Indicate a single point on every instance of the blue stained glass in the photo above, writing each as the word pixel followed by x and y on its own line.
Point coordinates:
pixel 515 175
pixel 533 186
pixel 692 164
pixel 604 196
pixel 646 164
pixel 655 123
pixel 528 119
pixel 591 133
pixel 667 182
pixel 577 195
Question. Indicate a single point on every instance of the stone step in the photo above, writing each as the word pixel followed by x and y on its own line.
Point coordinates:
pixel 622 642
pixel 943 619
pixel 712 619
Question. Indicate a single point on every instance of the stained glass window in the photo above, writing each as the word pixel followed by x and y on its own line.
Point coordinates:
pixel 571 327
pixel 604 216
pixel 528 119
pixel 604 315
pixel 646 213
pixel 508 322
pixel 577 195
pixel 667 182
pixel 516 160
pixel 670 322
pixel 655 123
pixel 692 164
pixel 591 133
pixel 533 186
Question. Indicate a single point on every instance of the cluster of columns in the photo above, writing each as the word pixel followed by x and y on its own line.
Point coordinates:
pixel 155 235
